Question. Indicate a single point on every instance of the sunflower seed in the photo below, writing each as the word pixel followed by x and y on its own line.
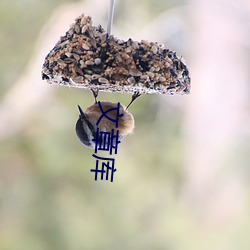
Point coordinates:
pixel 135 45
pixel 64 43
pixel 152 69
pixel 85 46
pixel 69 60
pixel 84 29
pixel 145 42
pixel 88 62
pixel 131 80
pixel 77 79
pixel 95 76
pixel 88 77
pixel 154 49
pixel 134 72
pixel 77 29
pixel 77 57
pixel 120 42
pixel 61 62
pixel 144 78
pixel 103 80
pixel 78 70
pixel 150 74
pixel 68 54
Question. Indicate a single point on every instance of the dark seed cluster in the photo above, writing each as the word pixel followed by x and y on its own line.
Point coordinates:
pixel 88 57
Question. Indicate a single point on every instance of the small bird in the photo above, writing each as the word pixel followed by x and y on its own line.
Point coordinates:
pixel 86 128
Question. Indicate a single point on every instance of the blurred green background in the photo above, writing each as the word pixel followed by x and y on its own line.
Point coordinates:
pixel 182 179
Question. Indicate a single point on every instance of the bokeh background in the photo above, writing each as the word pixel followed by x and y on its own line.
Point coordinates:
pixel 182 179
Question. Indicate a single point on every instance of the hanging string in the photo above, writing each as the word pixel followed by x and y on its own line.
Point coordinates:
pixel 110 16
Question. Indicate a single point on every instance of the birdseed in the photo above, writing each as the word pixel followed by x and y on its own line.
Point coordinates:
pixel 88 57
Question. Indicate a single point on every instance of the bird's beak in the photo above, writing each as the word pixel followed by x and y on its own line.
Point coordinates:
pixel 82 115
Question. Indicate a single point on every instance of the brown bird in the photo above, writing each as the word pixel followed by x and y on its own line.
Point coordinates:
pixel 86 125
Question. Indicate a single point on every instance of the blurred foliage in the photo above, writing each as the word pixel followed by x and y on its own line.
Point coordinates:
pixel 48 196
pixel 20 24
